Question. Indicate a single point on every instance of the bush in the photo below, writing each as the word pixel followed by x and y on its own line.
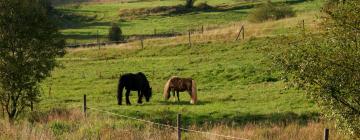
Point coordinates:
pixel 271 11
pixel 115 33
pixel 204 6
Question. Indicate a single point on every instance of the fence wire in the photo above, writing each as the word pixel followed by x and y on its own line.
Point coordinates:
pixel 166 125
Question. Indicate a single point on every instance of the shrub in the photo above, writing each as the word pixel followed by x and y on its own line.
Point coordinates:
pixel 204 6
pixel 271 11
pixel 115 33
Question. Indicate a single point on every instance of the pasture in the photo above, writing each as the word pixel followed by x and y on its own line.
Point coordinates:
pixel 92 19
pixel 229 88
pixel 240 93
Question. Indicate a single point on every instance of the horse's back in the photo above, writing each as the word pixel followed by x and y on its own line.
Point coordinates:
pixel 134 81
pixel 181 84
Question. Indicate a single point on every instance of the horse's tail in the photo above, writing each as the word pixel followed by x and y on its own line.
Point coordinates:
pixel 167 90
pixel 120 90
pixel 193 92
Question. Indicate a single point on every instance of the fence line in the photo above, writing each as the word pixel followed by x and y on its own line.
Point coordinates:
pixel 199 31
pixel 165 125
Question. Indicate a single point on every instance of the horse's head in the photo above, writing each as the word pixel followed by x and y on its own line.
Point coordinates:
pixel 147 94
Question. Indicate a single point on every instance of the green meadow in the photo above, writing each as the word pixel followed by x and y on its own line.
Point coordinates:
pixel 240 91
pixel 93 20
pixel 235 81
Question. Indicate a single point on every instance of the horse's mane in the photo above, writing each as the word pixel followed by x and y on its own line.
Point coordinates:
pixel 144 79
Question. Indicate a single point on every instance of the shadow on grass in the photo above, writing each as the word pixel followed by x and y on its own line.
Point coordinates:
pixel 171 102
pixel 203 7
pixel 235 119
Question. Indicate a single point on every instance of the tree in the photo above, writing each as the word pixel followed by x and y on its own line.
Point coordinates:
pixel 29 45
pixel 189 4
pixel 115 33
pixel 327 65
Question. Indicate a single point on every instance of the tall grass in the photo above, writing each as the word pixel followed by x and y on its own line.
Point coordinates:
pixel 71 124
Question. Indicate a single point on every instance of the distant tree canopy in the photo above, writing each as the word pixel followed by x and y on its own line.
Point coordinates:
pixel 271 11
pixel 115 33
pixel 327 65
pixel 29 44
pixel 189 3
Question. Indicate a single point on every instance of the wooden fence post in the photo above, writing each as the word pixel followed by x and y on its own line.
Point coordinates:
pixel 303 26
pixel 202 29
pixel 242 32
pixel 179 126
pixel 85 105
pixel 326 134
pixel 142 43
pixel 97 39
pixel 189 38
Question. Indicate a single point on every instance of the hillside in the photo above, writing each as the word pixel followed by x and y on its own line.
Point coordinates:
pixel 240 92
pixel 87 22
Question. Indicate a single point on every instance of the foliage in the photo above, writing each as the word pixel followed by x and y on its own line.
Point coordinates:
pixel 327 65
pixel 189 3
pixel 29 44
pixel 271 11
pixel 115 33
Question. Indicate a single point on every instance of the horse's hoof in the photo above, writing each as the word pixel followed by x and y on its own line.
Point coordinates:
pixel 119 104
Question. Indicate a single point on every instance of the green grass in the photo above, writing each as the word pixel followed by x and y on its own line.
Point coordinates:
pixel 101 16
pixel 235 83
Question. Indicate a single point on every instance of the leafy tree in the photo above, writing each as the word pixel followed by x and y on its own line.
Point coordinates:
pixel 271 11
pixel 189 4
pixel 29 45
pixel 327 65
pixel 115 33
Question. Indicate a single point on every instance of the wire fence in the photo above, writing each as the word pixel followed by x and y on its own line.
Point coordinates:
pixel 166 125
pixel 171 33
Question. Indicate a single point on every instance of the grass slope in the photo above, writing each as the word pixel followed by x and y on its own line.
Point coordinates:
pixel 97 17
pixel 235 83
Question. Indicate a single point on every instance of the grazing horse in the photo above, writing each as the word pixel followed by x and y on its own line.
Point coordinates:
pixel 177 84
pixel 134 82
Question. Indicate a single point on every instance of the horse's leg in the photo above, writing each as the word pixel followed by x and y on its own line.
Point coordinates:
pixel 191 97
pixel 177 94
pixel 127 97
pixel 120 94
pixel 173 91
pixel 140 96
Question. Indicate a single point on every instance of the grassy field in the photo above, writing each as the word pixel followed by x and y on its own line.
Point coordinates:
pixel 239 91
pixel 96 18
pixel 230 88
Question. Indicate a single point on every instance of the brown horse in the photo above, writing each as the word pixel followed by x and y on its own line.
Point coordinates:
pixel 177 84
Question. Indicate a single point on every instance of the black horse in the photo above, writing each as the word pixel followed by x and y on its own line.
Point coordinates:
pixel 134 82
